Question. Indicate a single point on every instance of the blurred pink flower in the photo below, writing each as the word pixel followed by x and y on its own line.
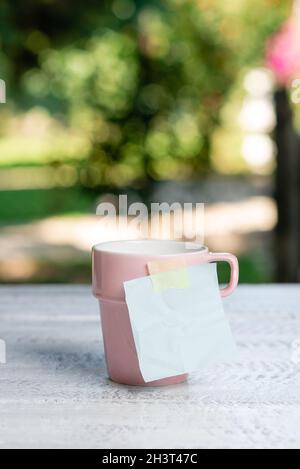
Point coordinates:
pixel 283 52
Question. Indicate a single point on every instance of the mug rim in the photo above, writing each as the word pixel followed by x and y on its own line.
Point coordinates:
pixel 160 247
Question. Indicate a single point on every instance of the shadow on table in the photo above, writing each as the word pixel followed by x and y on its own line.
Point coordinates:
pixel 64 358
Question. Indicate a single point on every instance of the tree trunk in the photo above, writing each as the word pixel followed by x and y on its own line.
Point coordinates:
pixel 287 192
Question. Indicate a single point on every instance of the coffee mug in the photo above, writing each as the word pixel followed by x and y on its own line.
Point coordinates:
pixel 118 261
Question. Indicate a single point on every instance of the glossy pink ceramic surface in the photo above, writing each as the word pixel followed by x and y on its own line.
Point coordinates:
pixel 119 261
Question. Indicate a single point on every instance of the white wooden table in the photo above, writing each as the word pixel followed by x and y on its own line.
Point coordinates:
pixel 54 391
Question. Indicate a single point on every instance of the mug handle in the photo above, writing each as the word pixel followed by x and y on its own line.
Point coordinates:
pixel 234 270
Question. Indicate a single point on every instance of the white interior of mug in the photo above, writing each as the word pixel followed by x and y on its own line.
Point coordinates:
pixel 150 247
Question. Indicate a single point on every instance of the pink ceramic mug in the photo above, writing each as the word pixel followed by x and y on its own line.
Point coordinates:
pixel 118 261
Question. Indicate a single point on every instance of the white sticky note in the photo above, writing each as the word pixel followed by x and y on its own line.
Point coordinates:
pixel 179 330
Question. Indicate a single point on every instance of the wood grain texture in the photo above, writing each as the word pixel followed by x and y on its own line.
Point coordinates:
pixel 54 392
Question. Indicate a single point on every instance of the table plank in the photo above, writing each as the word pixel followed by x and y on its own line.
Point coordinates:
pixel 54 391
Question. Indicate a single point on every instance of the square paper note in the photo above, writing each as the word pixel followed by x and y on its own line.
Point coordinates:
pixel 179 330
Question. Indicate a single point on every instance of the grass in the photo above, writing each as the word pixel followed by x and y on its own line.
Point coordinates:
pixel 22 206
pixel 28 205
pixel 254 268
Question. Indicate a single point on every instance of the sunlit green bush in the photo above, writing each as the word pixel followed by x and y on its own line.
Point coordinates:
pixel 142 83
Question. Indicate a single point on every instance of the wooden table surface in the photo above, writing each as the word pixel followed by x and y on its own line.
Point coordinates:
pixel 54 392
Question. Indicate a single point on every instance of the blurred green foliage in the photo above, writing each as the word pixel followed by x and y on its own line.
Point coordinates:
pixel 33 204
pixel 108 94
pixel 255 267
pixel 142 81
